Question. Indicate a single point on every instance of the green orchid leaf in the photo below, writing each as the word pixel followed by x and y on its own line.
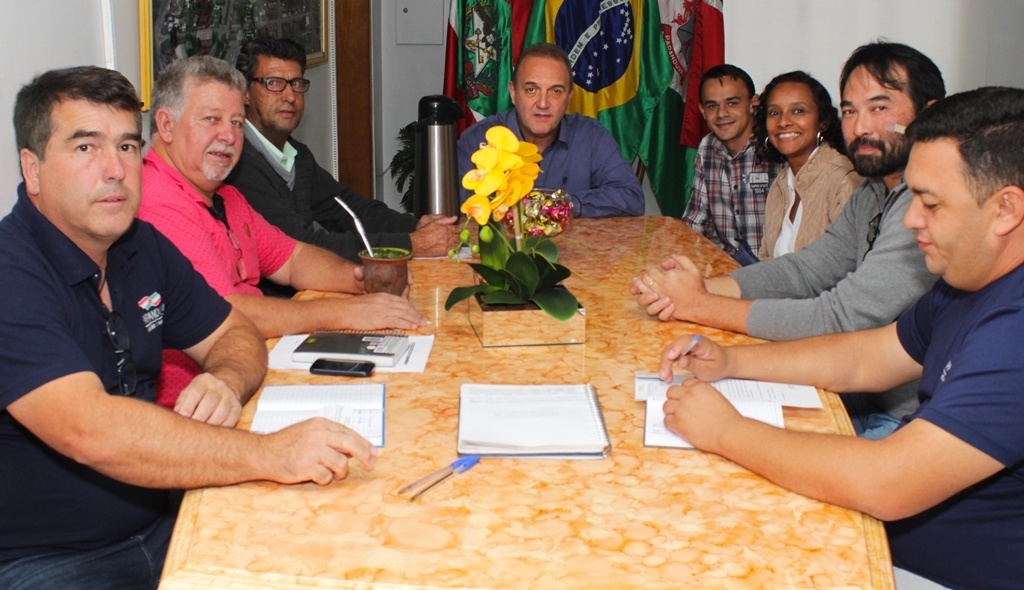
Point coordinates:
pixel 524 269
pixel 462 293
pixel 530 242
pixel 517 277
pixel 546 248
pixel 503 298
pixel 489 275
pixel 552 275
pixel 517 287
pixel 495 253
pixel 558 303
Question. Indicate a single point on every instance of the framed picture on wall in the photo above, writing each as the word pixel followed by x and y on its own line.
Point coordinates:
pixel 172 29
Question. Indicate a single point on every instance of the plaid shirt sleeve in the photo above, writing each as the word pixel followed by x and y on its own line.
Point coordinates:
pixel 698 211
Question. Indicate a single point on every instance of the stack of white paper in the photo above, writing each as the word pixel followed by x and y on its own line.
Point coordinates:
pixel 758 400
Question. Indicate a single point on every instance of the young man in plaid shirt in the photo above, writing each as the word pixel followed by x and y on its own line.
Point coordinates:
pixel 730 184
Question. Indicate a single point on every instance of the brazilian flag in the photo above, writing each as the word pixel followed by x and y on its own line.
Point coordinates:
pixel 620 66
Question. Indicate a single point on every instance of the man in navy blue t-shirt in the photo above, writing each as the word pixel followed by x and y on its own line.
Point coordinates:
pixel 950 481
pixel 90 298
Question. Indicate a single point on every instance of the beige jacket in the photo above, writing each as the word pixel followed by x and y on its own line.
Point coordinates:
pixel 824 185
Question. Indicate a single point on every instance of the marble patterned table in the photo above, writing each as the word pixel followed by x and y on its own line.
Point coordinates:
pixel 642 518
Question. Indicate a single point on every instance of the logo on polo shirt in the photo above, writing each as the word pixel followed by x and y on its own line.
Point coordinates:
pixel 945 371
pixel 154 308
pixel 150 301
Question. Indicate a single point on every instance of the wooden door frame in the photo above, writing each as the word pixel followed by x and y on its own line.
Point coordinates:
pixel 353 51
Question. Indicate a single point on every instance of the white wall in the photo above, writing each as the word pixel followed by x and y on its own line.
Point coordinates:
pixel 403 73
pixel 972 41
pixel 26 28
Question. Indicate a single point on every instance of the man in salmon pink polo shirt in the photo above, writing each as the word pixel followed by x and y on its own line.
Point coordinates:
pixel 198 117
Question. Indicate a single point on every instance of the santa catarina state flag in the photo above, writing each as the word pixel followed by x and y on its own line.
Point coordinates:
pixel 484 37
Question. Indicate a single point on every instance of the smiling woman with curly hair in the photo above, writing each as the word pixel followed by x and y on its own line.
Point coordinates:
pixel 796 123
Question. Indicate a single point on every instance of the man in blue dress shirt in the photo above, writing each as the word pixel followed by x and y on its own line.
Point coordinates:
pixel 580 155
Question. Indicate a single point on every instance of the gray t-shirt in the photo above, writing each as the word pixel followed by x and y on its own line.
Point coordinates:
pixel 840 284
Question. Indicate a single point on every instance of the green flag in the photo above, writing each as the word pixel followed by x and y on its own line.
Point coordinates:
pixel 478 58
pixel 693 36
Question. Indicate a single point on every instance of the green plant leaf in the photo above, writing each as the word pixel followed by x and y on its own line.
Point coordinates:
pixel 489 275
pixel 517 277
pixel 516 286
pixel 403 166
pixel 462 293
pixel 546 248
pixel 524 269
pixel 503 298
pixel 496 252
pixel 552 275
pixel 559 303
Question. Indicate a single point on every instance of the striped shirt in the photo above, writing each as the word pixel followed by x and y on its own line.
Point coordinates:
pixel 729 193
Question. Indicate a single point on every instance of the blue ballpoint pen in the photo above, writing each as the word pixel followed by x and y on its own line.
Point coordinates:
pixel 457 466
pixel 690 346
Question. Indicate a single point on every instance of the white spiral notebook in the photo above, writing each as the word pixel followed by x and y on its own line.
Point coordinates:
pixel 532 421
pixel 358 406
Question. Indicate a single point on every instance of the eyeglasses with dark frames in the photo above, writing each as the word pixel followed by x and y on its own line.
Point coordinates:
pixel 117 330
pixel 299 85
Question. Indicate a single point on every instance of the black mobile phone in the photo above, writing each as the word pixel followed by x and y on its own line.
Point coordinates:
pixel 348 368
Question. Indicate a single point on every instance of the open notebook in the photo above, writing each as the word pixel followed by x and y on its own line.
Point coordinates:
pixel 358 406
pixel 532 421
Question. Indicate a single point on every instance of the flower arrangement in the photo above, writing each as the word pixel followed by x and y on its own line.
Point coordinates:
pixel 524 269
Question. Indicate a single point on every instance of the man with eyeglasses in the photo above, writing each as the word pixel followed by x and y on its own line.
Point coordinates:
pixel 282 180
pixel 864 271
pixel 197 121
pixel 91 296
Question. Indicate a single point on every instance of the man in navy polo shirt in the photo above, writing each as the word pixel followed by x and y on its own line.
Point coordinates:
pixel 950 481
pixel 90 299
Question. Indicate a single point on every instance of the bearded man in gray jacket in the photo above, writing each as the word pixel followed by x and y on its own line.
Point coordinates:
pixel 864 271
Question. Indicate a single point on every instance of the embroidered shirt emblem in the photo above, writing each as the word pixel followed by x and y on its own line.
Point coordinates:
pixel 150 301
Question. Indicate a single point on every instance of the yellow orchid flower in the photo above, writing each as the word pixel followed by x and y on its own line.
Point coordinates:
pixel 506 169
pixel 483 182
pixel 528 152
pixel 505 201
pixel 502 138
pixel 477 207
pixel 520 182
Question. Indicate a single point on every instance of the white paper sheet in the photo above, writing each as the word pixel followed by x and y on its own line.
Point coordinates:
pixel 656 435
pixel 795 396
pixel 360 407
